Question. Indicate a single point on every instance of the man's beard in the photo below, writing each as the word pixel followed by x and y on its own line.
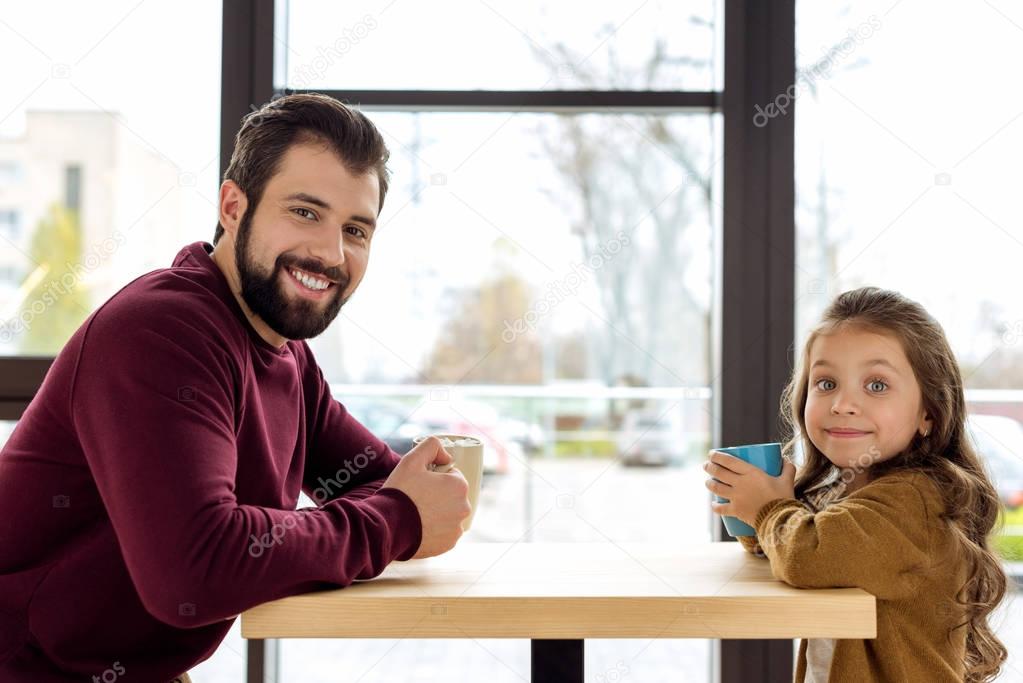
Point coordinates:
pixel 289 316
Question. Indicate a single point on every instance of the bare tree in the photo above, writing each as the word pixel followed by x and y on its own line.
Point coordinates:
pixel 652 324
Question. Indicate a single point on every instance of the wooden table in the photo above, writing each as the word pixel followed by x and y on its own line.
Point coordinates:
pixel 558 594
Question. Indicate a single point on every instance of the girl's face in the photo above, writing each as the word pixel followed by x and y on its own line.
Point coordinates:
pixel 863 402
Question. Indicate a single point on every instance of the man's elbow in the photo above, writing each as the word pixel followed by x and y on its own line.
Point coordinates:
pixel 185 607
pixel 183 596
pixel 175 608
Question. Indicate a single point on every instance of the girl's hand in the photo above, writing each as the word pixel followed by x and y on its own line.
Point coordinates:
pixel 747 487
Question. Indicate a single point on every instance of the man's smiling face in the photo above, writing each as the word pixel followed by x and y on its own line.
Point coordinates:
pixel 312 227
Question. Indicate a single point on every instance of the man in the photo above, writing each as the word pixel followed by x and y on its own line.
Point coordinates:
pixel 149 491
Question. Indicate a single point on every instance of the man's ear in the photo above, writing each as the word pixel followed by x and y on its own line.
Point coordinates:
pixel 233 204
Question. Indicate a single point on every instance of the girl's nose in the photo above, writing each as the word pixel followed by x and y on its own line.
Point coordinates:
pixel 843 406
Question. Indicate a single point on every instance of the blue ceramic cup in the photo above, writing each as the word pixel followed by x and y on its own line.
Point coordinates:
pixel 766 456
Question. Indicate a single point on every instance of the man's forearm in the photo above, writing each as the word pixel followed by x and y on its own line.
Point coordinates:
pixel 364 490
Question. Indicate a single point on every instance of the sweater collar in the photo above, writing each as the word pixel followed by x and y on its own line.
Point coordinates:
pixel 200 254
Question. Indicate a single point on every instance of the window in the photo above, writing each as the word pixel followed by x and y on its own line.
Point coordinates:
pixel 520 46
pixel 937 218
pixel 73 187
pixel 532 281
pixel 136 165
pixel 564 404
pixel 8 276
pixel 6 429
pixel 106 113
pixel 9 225
pixel 10 172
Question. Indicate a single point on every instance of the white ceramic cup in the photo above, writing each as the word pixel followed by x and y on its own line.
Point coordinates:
pixel 468 459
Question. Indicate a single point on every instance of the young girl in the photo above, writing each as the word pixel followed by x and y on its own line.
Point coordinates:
pixel 891 498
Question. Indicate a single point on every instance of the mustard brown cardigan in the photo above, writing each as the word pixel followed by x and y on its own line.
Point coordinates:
pixel 889 539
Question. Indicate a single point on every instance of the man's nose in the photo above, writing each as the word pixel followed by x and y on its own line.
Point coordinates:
pixel 330 254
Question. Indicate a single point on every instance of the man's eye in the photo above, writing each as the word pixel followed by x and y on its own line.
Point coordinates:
pixel 877 386
pixel 305 213
pixel 825 385
pixel 357 231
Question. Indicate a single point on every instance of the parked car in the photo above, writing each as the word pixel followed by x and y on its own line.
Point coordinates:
pixel 398 425
pixel 650 438
pixel 473 418
pixel 392 423
pixel 528 435
pixel 999 441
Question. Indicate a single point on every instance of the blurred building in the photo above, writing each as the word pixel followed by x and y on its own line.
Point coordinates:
pixel 93 163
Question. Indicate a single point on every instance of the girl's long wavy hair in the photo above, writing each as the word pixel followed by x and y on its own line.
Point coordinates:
pixel 946 454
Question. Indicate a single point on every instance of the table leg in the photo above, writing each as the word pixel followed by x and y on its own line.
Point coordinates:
pixel 755 661
pixel 262 659
pixel 557 661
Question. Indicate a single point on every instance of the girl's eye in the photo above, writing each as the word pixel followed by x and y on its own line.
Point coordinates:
pixel 307 213
pixel 825 385
pixel 877 386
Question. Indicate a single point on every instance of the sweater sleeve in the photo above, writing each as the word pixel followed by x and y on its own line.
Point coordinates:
pixel 751 545
pixel 365 490
pixel 876 539
pixel 153 403
pixel 341 454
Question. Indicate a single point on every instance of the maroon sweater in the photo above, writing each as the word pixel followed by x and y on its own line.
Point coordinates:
pixel 148 494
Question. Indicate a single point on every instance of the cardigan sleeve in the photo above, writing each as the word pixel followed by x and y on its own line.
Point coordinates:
pixel 752 545
pixel 877 538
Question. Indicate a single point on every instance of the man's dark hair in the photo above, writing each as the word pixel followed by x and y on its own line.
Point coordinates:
pixel 268 132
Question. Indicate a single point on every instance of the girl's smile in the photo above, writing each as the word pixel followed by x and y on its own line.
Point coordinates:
pixel 863 403
pixel 846 433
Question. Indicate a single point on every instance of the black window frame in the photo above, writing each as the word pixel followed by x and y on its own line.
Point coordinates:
pixel 755 308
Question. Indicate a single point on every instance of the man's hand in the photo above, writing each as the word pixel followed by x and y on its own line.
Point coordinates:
pixel 441 497
pixel 746 487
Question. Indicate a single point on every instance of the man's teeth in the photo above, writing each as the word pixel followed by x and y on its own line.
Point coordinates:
pixel 310 282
